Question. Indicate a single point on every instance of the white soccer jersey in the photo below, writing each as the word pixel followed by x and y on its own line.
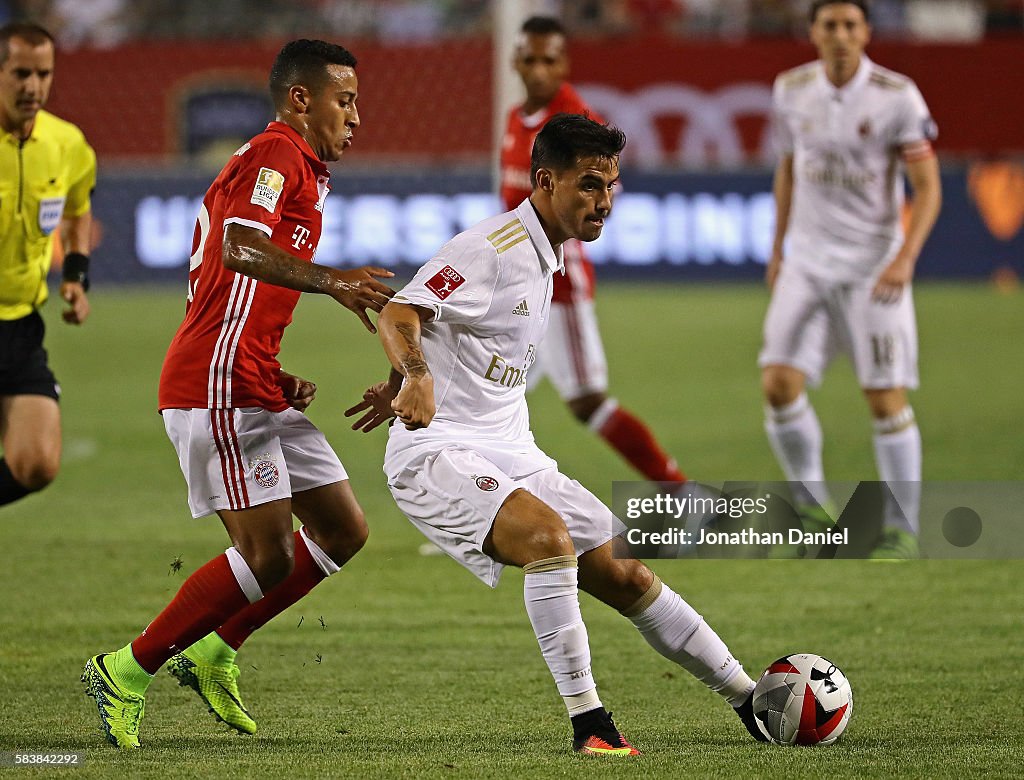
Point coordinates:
pixel 847 146
pixel 490 291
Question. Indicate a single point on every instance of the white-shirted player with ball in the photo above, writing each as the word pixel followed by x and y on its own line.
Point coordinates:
pixel 463 466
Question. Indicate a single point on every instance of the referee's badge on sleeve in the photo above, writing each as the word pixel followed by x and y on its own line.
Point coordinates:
pixel 445 282
pixel 50 212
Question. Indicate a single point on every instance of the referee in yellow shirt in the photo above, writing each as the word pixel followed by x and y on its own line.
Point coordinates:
pixel 47 173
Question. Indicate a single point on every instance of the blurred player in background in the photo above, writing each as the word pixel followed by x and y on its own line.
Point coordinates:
pixel 464 467
pixel 572 356
pixel 47 173
pixel 841 265
pixel 235 418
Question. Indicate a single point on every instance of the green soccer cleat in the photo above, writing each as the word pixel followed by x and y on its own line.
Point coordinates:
pixel 813 519
pixel 895 544
pixel 120 711
pixel 217 686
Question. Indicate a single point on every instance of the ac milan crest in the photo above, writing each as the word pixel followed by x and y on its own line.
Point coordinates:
pixel 487 484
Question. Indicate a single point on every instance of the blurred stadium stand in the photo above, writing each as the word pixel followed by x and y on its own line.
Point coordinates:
pixel 166 90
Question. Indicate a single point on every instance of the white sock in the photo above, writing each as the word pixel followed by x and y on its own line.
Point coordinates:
pixel 898 457
pixel 551 592
pixel 323 561
pixel 796 439
pixel 674 629
pixel 243 575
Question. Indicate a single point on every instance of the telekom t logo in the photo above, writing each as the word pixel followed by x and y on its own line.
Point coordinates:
pixel 299 236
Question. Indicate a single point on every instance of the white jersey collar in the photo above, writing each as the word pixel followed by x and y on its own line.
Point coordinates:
pixel 860 78
pixel 550 258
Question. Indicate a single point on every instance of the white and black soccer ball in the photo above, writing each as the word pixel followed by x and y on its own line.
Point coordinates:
pixel 803 699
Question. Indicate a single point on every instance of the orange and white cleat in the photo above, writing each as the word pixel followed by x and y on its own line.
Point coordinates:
pixel 596 735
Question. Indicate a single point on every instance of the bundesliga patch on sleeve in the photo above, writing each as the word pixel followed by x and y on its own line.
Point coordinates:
pixel 445 282
pixel 269 186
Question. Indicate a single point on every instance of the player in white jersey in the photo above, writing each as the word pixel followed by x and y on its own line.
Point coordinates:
pixel 464 467
pixel 841 265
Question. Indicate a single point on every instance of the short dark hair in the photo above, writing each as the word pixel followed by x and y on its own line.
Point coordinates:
pixel 543 25
pixel 34 34
pixel 568 138
pixel 305 62
pixel 863 5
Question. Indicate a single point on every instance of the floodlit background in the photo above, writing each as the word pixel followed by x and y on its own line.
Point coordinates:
pixel 165 91
pixel 403 665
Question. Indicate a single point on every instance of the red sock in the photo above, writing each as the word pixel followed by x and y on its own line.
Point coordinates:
pixel 636 444
pixel 304 577
pixel 205 600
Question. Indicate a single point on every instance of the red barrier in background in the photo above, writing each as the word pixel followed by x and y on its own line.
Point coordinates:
pixel 433 102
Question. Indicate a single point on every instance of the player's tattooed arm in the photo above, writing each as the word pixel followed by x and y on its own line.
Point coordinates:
pixel 400 326
pixel 250 252
pixel 413 365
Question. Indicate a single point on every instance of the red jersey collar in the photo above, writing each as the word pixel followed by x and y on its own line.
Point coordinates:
pixel 292 135
pixel 565 100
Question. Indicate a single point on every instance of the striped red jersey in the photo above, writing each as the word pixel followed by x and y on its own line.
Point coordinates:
pixel 516 148
pixel 224 354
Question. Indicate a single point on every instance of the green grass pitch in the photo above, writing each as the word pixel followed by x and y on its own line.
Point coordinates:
pixel 405 666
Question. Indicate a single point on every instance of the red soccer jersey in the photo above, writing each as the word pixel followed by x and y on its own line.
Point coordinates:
pixel 224 354
pixel 516 148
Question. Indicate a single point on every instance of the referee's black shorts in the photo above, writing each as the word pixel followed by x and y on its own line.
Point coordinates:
pixel 23 367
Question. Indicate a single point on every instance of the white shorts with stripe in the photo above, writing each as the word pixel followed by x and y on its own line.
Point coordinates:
pixel 240 458
pixel 452 493
pixel 571 355
pixel 810 320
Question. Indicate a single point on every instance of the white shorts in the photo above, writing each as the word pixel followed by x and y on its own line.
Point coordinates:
pixel 571 354
pixel 453 492
pixel 810 320
pixel 240 458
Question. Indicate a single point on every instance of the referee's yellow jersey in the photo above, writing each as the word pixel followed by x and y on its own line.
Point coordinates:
pixel 42 179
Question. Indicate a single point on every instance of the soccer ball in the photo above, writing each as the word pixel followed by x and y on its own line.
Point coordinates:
pixel 803 699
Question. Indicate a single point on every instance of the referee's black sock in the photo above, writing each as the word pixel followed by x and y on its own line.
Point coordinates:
pixel 10 488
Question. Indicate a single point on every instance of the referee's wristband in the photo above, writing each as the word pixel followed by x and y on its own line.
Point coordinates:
pixel 76 269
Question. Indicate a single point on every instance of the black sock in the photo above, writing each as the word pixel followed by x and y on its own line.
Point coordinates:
pixel 589 722
pixel 10 488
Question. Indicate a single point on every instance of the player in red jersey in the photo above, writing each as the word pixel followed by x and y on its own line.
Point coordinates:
pixel 235 418
pixel 572 356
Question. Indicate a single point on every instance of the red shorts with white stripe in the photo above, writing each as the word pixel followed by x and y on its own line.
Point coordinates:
pixel 240 458
pixel 571 355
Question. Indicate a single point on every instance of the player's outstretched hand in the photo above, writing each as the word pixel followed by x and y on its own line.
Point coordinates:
pixel 377 405
pixel 359 290
pixel 298 392
pixel 414 404
pixel 78 303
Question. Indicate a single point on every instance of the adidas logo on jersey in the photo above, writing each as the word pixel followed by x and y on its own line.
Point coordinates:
pixel 522 309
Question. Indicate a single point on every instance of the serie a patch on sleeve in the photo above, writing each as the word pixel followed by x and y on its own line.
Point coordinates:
pixel 268 189
pixel 445 282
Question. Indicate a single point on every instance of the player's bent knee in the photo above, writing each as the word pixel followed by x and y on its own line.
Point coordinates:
pixel 550 542
pixel 630 578
pixel 350 539
pixel 35 474
pixel 583 408
pixel 271 564
pixel 781 385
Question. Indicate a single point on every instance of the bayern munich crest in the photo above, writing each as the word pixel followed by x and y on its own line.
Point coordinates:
pixel 265 473
pixel 487 483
